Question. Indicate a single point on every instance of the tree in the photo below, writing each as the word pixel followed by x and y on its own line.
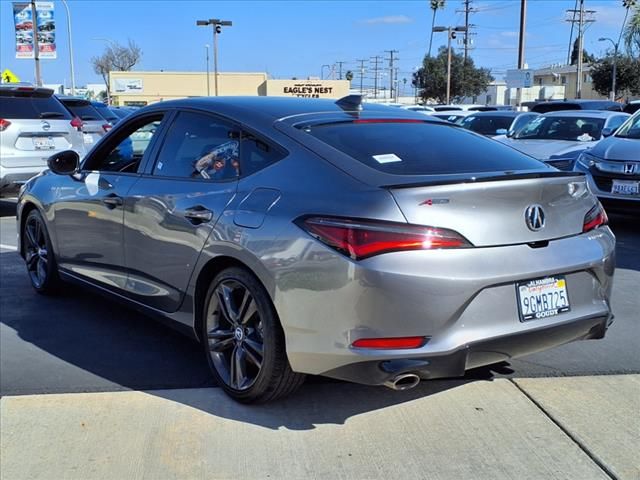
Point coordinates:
pixel 116 57
pixel 434 5
pixel 349 75
pixel 466 79
pixel 632 33
pixel 586 56
pixel 627 76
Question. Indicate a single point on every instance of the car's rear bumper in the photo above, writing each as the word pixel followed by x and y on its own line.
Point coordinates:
pixel 11 179
pixel 474 354
pixel 464 301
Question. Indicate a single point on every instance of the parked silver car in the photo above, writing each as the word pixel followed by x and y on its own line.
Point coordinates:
pixel 33 125
pixel 613 166
pixel 499 122
pixel 557 138
pixel 93 126
pixel 294 236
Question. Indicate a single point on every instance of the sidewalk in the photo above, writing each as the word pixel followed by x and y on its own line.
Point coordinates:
pixel 548 428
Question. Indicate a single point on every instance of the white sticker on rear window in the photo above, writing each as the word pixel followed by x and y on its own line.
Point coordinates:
pixel 387 158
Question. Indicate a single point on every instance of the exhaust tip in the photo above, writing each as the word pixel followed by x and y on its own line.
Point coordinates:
pixel 406 381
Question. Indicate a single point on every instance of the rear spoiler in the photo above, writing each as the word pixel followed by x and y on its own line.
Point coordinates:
pixel 488 177
pixel 24 91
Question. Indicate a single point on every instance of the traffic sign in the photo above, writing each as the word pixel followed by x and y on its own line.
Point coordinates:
pixel 9 77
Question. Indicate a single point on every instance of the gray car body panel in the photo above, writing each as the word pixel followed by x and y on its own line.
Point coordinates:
pixel 325 300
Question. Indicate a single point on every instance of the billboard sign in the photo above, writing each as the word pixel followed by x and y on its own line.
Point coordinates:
pixel 519 78
pixel 127 85
pixel 45 29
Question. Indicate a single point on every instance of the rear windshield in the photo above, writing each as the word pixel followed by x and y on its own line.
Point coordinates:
pixel 574 128
pixel 106 113
pixel 84 111
pixel 422 148
pixel 486 125
pixel 32 108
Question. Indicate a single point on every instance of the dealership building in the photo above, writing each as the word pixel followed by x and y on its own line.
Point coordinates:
pixel 143 88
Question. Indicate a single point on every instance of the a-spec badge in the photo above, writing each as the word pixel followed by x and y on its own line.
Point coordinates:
pixel 434 201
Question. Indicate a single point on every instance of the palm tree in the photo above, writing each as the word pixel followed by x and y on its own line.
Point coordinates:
pixel 632 33
pixel 435 5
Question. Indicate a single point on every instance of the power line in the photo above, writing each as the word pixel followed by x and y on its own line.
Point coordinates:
pixel 340 69
pixel 362 70
pixel 376 62
pixel 391 70
pixel 581 27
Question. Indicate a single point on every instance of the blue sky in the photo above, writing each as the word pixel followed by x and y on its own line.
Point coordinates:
pixel 295 38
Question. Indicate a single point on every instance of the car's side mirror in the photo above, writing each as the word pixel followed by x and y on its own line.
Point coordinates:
pixel 66 162
pixel 502 131
pixel 608 131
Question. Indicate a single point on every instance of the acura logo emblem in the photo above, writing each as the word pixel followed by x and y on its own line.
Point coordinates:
pixel 629 168
pixel 534 215
pixel 46 126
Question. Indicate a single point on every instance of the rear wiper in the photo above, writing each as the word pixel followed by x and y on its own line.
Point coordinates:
pixel 51 114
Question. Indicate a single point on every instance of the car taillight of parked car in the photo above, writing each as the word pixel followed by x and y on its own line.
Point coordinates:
pixel 4 124
pixel 596 217
pixel 76 123
pixel 360 239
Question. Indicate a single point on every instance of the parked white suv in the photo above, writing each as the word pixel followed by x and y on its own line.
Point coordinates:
pixel 33 126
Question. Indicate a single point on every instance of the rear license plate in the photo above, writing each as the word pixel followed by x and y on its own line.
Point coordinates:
pixel 43 143
pixel 88 138
pixel 543 297
pixel 625 187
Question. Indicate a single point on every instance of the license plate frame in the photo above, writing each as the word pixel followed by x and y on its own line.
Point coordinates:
pixel 44 143
pixel 633 187
pixel 545 286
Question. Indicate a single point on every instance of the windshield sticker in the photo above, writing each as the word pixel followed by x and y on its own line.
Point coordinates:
pixel 387 158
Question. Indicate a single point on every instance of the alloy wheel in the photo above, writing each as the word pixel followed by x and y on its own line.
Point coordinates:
pixel 235 334
pixel 36 254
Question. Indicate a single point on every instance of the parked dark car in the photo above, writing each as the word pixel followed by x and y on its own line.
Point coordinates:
pixel 494 123
pixel 557 105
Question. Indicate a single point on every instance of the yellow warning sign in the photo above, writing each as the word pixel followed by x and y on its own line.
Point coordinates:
pixel 9 77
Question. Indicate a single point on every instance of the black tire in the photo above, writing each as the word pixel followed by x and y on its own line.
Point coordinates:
pixel 243 340
pixel 39 256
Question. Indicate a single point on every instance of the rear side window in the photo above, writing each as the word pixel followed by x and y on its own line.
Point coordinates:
pixel 84 111
pixel 32 108
pixel 420 148
pixel 106 113
pixel 256 154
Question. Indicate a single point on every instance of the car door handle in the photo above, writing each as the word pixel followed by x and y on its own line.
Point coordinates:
pixel 198 215
pixel 112 201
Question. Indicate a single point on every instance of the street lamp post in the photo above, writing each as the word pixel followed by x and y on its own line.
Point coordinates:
pixel 217 25
pixel 208 89
pixel 73 80
pixel 451 34
pixel 615 65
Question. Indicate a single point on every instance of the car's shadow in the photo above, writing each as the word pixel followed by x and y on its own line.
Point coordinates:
pixel 84 342
pixel 626 227
pixel 7 207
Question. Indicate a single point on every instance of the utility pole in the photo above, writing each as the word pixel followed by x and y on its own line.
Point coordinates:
pixel 73 79
pixel 36 46
pixel 361 73
pixel 580 60
pixel 468 9
pixel 208 89
pixel 376 61
pixel 451 34
pixel 523 27
pixel 217 25
pixel 391 70
pixel 340 69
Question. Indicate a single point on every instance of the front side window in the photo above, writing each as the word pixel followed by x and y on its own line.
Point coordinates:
pixel 129 149
pixel 615 122
pixel 631 128
pixel 200 146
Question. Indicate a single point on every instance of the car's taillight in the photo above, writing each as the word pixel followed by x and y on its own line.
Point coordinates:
pixel 4 124
pixel 390 343
pixel 106 127
pixel 596 217
pixel 365 238
pixel 76 123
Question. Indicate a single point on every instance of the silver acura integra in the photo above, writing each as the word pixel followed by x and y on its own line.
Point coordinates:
pixel 299 236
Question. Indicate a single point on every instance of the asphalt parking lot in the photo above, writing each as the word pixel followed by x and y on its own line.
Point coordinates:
pixel 152 379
